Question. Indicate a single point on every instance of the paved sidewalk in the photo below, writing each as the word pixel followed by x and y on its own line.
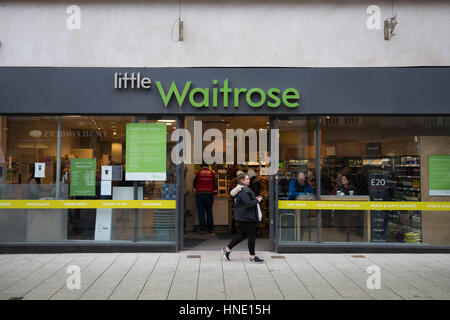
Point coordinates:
pixel 205 275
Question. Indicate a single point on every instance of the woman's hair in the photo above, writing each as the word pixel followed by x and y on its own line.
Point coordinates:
pixel 242 176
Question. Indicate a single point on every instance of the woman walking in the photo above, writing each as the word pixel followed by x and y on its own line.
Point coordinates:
pixel 246 215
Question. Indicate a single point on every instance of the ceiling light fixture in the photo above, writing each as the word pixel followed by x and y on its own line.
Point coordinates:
pixel 166 121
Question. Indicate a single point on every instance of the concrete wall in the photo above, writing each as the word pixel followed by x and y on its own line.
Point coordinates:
pixel 286 33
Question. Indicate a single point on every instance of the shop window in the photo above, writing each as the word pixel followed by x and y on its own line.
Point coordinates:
pixel 381 159
pixel 91 146
pixel 296 179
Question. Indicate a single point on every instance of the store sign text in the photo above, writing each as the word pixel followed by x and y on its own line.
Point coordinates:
pixel 210 97
pixel 76 134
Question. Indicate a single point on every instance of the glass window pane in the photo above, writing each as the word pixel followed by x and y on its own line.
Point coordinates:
pixel 296 179
pixel 381 159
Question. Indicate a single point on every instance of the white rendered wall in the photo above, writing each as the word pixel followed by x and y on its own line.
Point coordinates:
pixel 223 33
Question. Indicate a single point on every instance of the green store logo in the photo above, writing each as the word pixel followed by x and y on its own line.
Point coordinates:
pixel 209 97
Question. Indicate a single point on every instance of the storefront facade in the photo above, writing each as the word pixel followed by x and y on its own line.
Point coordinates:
pixel 387 130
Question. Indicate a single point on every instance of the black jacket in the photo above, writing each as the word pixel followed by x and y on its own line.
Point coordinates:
pixel 347 191
pixel 245 206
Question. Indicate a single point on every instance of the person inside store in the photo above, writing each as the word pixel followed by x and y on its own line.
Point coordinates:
pixel 246 215
pixel 326 187
pixel 348 220
pixel 343 172
pixel 205 184
pixel 255 186
pixel 233 228
pixel 326 184
pixel 34 188
pixel 361 181
pixel 346 187
pixel 299 187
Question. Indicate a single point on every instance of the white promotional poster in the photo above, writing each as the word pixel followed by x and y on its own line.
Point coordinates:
pixel 39 170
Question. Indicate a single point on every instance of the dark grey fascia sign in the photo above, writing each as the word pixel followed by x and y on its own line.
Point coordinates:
pixel 321 91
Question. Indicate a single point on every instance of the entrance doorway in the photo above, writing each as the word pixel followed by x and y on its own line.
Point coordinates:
pixel 226 178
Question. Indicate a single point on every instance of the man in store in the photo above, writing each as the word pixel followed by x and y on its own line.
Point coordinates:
pixel 205 184
pixel 297 188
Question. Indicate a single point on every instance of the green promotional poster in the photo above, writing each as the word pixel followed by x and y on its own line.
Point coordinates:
pixel 82 177
pixel 146 152
pixel 439 175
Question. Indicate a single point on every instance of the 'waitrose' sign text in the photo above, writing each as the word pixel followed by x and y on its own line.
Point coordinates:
pixel 210 97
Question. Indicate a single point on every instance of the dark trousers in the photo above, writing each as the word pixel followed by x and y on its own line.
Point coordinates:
pixel 204 205
pixel 247 229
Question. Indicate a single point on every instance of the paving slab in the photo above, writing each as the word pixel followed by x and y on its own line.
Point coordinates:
pixel 316 284
pixel 34 279
pixel 49 287
pixel 338 280
pixel 289 284
pixel 32 264
pixel 263 284
pixel 359 276
pixel 132 283
pixel 104 285
pixel 390 278
pixel 159 282
pixel 211 283
pixel 237 282
pixel 185 281
pixel 88 276
pixel 401 267
pixel 205 275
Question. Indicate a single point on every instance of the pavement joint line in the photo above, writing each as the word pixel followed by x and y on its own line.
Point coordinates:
pixel 364 271
pixel 320 275
pixel 271 274
pixel 396 278
pixel 31 272
pixel 364 289
pixel 296 275
pixel 173 277
pixel 248 277
pixel 401 278
pixel 118 284
pixel 405 265
pixel 429 267
pixel 146 280
pixel 344 274
pixel 7 259
pixel 15 268
pixel 58 270
pixel 241 260
pixel 223 276
pixel 198 277
pixel 98 277
pixel 62 286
